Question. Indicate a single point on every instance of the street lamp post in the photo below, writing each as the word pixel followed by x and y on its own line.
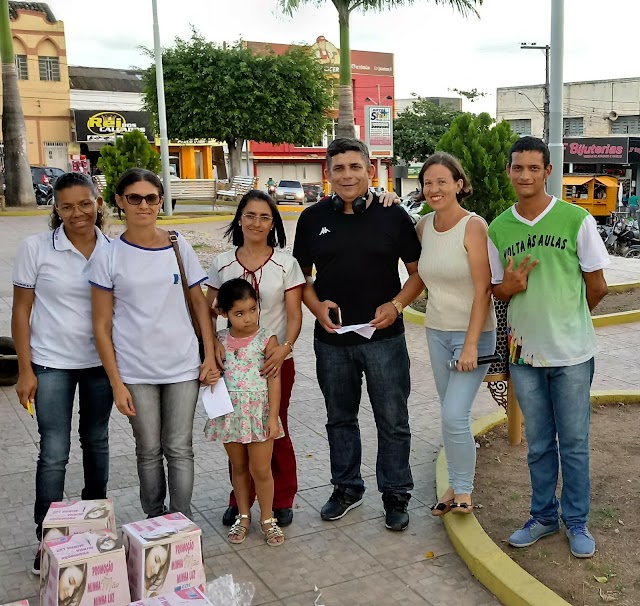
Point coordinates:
pixel 162 113
pixel 556 147
pixel 546 49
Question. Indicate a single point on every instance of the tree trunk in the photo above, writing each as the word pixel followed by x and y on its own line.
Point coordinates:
pixel 346 122
pixel 19 188
pixel 235 157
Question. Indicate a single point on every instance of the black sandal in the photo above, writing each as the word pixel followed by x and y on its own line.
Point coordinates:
pixel 442 507
pixel 462 507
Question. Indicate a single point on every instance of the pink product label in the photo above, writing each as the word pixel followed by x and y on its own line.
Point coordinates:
pixel 163 527
pixel 79 511
pixel 20 603
pixel 98 581
pixel 169 567
pixel 83 545
pixel 191 596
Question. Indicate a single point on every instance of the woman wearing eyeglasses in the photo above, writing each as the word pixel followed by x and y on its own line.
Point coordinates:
pixel 147 343
pixel 51 326
pixel 258 233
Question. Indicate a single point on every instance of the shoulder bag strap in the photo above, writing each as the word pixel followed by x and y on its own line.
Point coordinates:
pixel 173 238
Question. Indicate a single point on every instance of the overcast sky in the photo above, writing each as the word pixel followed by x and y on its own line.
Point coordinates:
pixel 435 49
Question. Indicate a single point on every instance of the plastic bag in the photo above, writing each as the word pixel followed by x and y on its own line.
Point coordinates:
pixel 225 592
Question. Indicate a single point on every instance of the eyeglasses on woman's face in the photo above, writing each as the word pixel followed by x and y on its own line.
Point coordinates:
pixel 66 210
pixel 252 218
pixel 136 199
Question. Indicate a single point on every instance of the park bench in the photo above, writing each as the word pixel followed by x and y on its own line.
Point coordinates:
pixel 193 189
pixel 238 187
pixel 100 181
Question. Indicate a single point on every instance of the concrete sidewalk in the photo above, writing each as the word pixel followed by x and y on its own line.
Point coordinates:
pixel 355 561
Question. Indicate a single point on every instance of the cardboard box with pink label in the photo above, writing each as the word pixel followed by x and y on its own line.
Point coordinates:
pixel 85 569
pixel 71 517
pixel 164 555
pixel 185 597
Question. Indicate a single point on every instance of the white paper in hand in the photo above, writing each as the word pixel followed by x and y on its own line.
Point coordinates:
pixel 364 330
pixel 217 402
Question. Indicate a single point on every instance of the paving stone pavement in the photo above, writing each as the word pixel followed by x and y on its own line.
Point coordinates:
pixel 354 561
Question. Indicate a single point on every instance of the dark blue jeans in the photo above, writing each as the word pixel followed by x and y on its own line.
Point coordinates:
pixel 54 407
pixel 385 364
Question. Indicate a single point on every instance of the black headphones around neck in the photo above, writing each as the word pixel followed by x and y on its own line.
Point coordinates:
pixel 359 205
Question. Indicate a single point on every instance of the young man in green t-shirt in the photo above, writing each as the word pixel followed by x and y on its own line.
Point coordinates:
pixel 547 261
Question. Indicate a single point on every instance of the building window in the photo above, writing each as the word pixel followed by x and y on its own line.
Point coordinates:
pixel 626 124
pixel 49 68
pixel 21 67
pixel 327 137
pixel 521 127
pixel 573 126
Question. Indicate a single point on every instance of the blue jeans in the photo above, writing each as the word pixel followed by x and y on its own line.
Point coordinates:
pixel 456 391
pixel 556 406
pixel 54 407
pixel 385 364
pixel 163 427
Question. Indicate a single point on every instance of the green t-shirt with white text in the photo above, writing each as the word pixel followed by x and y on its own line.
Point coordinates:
pixel 549 324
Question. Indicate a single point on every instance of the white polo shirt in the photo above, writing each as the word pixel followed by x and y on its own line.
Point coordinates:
pixel 152 333
pixel 279 274
pixel 61 326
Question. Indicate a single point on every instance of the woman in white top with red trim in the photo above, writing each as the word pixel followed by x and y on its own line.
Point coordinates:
pixel 258 233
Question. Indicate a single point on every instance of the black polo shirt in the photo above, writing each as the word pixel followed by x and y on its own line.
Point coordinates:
pixel 356 259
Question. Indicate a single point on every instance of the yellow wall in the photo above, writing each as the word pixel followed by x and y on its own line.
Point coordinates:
pixel 45 104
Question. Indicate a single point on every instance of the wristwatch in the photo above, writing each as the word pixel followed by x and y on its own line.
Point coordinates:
pixel 399 306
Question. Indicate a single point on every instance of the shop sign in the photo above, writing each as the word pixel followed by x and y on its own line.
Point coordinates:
pixel 413 171
pixel 379 130
pixel 590 150
pixel 106 125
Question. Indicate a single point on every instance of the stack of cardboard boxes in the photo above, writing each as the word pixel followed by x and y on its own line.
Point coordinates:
pixel 158 563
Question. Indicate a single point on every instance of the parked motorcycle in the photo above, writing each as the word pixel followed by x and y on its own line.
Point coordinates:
pixel 413 208
pixel 622 238
pixel 44 193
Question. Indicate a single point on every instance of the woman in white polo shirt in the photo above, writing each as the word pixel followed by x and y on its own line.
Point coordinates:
pixel 51 326
pixel 147 342
pixel 258 233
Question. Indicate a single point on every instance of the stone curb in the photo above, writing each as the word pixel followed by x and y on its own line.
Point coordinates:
pixel 512 585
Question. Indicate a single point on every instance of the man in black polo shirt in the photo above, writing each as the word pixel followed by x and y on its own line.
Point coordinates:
pixel 355 244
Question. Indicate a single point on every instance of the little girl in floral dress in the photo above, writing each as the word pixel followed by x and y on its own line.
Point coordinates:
pixel 248 432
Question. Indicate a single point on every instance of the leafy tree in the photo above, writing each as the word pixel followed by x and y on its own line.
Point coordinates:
pixel 471 95
pixel 231 94
pixel 417 129
pixel 345 126
pixel 132 150
pixel 482 146
pixel 19 188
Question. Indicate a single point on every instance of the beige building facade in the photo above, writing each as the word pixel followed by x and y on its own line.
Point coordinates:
pixel 601 120
pixel 41 61
pixel 598 108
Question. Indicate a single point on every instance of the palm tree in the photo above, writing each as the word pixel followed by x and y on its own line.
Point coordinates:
pixel 345 8
pixel 19 188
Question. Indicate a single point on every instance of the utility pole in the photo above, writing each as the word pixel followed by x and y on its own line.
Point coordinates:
pixel 162 113
pixel 556 147
pixel 545 109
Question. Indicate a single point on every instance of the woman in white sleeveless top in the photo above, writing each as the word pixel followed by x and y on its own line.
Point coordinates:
pixel 460 319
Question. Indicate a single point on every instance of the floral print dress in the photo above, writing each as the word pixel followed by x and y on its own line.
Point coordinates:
pixel 248 391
